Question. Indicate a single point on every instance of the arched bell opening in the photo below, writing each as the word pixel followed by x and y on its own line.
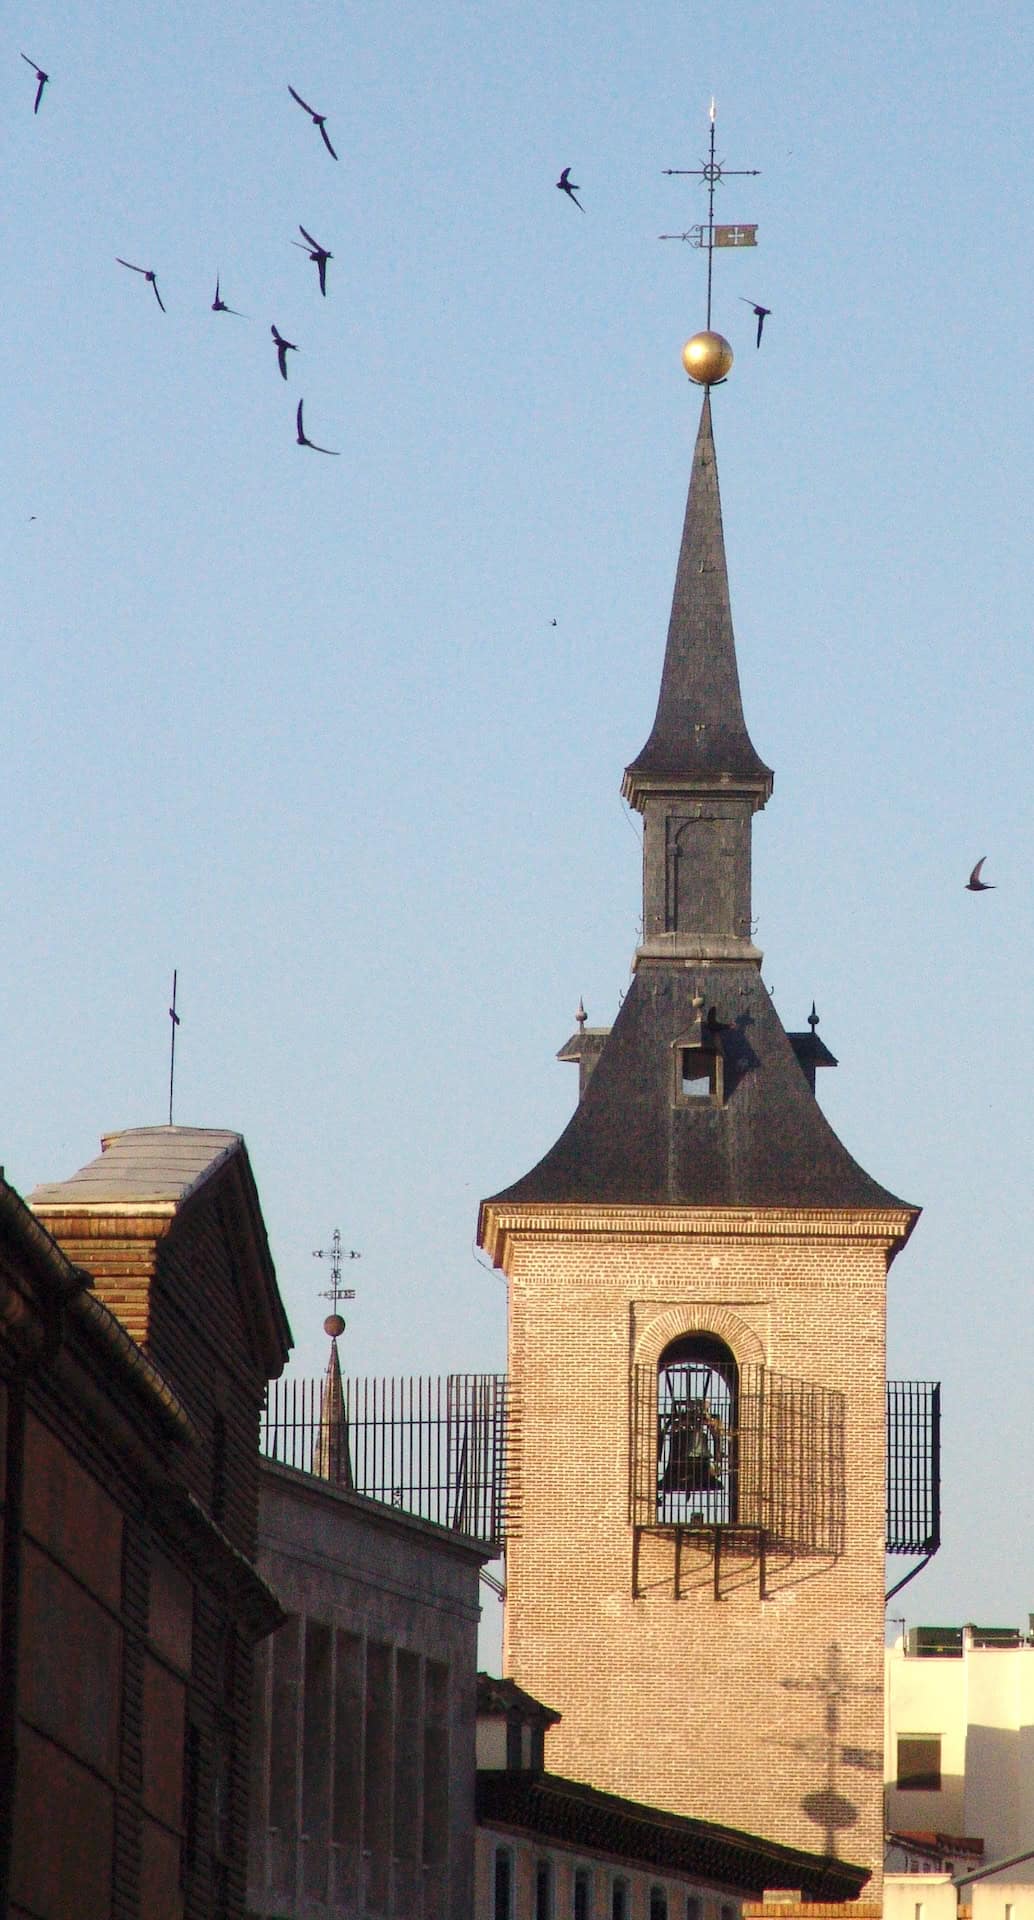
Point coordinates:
pixel 697 1420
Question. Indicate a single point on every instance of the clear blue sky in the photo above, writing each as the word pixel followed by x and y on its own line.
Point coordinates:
pixel 303 728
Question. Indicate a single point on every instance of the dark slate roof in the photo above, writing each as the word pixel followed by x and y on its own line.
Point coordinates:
pixel 699 731
pixel 502 1696
pixel 768 1145
pixel 570 1814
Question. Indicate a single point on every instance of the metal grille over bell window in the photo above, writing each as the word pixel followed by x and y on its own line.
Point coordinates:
pixel 697 1409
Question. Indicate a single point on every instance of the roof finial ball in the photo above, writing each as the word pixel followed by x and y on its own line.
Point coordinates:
pixel 334 1325
pixel 707 358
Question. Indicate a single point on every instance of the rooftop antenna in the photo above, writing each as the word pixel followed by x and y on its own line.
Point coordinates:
pixel 175 1019
pixel 334 1323
pixel 712 172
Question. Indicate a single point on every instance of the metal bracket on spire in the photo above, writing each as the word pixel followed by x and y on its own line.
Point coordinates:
pixel 713 171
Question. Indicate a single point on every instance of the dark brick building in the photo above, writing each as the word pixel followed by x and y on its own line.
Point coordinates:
pixel 139 1323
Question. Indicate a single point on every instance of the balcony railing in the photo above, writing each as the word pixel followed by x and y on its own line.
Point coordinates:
pixel 913 1466
pixel 772 1460
pixel 434 1447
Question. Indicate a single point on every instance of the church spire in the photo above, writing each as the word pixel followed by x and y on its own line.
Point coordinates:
pixel 698 779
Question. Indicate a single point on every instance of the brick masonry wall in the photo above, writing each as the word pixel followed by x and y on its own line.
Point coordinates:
pixel 763 1714
pixel 197 1336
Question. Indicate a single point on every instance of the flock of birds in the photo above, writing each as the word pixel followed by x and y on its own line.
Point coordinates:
pixel 318 254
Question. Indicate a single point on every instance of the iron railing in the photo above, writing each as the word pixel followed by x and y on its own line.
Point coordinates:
pixel 913 1466
pixel 434 1447
pixel 774 1462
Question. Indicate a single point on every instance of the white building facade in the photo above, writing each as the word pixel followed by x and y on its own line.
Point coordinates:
pixel 959 1747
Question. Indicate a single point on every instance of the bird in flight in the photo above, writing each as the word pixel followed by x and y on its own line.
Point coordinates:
pixel 219 304
pixel 304 441
pixel 761 314
pixel 148 275
pixel 570 187
pixel 283 348
pixel 318 119
pixel 316 253
pixel 41 80
pixel 975 884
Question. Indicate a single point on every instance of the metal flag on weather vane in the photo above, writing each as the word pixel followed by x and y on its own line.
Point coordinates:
pixel 737 236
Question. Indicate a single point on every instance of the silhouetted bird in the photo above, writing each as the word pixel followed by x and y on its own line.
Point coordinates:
pixel 304 441
pixel 41 80
pixel 318 119
pixel 320 255
pixel 219 304
pixel 569 187
pixel 148 275
pixel 975 884
pixel 283 348
pixel 762 314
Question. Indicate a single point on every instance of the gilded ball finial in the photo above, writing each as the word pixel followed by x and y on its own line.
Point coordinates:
pixel 707 358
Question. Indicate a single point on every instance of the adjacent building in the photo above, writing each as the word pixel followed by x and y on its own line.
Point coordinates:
pixel 549 1848
pixel 139 1324
pixel 362 1796
pixel 959 1771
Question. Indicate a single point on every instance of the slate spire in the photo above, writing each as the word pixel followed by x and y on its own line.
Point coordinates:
pixel 699 734
pixel 698 779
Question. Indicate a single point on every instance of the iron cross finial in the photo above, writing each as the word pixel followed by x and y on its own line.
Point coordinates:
pixel 713 172
pixel 334 1254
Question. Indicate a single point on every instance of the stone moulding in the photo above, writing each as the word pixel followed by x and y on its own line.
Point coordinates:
pixel 500 1227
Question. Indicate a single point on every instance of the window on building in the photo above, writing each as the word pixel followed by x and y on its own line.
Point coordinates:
pixel 696 1074
pixel 544 1890
pixel 658 1903
pixel 919 1762
pixel 620 1901
pixel 581 1902
pixel 694 1907
pixel 697 1410
pixel 503 1909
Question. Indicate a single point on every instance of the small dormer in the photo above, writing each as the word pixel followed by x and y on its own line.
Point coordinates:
pixel 584 1047
pixel 511 1727
pixel 698 1060
pixel 810 1050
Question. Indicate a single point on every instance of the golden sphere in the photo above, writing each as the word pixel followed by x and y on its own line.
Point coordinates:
pixel 707 358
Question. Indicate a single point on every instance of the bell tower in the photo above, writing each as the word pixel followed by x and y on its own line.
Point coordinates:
pixel 697 1284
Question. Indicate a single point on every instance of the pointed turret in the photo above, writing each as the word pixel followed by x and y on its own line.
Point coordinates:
pixel 333 1459
pixel 698 779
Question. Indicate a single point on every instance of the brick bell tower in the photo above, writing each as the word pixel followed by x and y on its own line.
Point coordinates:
pixel 697 1285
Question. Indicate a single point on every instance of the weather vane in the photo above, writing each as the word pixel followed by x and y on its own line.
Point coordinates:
pixel 713 172
pixel 708 356
pixel 334 1323
pixel 175 1020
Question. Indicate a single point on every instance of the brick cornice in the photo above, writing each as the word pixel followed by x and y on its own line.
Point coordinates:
pixel 500 1227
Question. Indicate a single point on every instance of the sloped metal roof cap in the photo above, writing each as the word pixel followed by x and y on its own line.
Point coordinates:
pixel 144 1165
